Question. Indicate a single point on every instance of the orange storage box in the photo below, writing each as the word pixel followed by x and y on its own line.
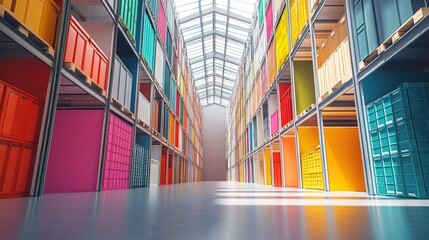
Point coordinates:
pixel 7 4
pixel 77 42
pixel 16 168
pixel 40 16
pixel 20 115
pixel 29 12
pixel 49 24
pixel 99 64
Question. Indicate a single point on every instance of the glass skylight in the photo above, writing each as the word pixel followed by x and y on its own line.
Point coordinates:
pixel 215 32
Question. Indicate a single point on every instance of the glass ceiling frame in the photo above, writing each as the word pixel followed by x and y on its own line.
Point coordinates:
pixel 215 33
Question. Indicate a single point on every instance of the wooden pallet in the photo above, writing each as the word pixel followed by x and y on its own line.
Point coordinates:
pixel 144 125
pixel 333 89
pixel 123 109
pixel 410 23
pixel 287 125
pixel 126 30
pixel 315 5
pixel 306 110
pixel 12 20
pixel 84 78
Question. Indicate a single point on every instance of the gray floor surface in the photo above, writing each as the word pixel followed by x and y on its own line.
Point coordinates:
pixel 213 210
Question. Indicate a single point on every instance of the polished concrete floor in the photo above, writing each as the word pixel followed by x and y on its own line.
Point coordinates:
pixel 213 210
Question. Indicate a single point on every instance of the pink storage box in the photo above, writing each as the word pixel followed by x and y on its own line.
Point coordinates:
pixel 274 122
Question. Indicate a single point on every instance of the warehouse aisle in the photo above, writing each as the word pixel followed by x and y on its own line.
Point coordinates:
pixel 212 210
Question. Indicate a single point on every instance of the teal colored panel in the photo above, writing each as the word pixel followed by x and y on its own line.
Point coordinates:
pixel 148 43
pixel 153 6
pixel 167 81
pixel 169 46
pixel 181 110
pixel 140 163
pixel 365 26
pixel 128 12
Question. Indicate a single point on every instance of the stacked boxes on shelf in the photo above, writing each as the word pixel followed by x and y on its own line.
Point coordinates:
pixel 334 62
pixel 148 43
pixel 128 12
pixel 144 109
pixel 20 116
pixel 40 17
pixel 298 18
pixel 122 83
pixel 84 54
pixel 376 23
pixel 285 90
pixel 398 125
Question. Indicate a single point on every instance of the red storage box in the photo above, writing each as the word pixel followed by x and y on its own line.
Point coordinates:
pixel 2 87
pixel 286 104
pixel 163 180
pixel 277 170
pixel 99 65
pixel 16 168
pixel 83 52
pixel 20 115
pixel 76 45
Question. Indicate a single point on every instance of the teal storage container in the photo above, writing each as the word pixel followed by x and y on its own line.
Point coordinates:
pixel 261 11
pixel 153 7
pixel 400 141
pixel 173 96
pixel 148 43
pixel 167 81
pixel 169 46
pixel 129 13
pixel 394 13
pixel 365 27
pixel 140 163
pixel 166 121
pixel 182 105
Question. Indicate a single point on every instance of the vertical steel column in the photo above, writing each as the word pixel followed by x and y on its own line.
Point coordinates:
pixel 103 148
pixel 360 106
pixel 317 93
pixel 52 100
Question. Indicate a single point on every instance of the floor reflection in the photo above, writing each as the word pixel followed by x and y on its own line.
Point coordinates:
pixel 213 210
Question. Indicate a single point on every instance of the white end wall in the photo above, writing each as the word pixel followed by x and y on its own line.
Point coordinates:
pixel 214 168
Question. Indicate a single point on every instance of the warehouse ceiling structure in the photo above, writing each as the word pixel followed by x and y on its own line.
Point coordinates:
pixel 215 32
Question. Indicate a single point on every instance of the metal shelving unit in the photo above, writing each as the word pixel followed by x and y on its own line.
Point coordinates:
pixel 61 78
pixel 352 88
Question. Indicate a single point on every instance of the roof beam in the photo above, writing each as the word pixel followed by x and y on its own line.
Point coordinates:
pixel 216 33
pixel 215 75
pixel 214 10
pixel 216 56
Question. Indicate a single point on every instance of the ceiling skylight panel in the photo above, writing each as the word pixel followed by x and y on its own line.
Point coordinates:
pixel 206 25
